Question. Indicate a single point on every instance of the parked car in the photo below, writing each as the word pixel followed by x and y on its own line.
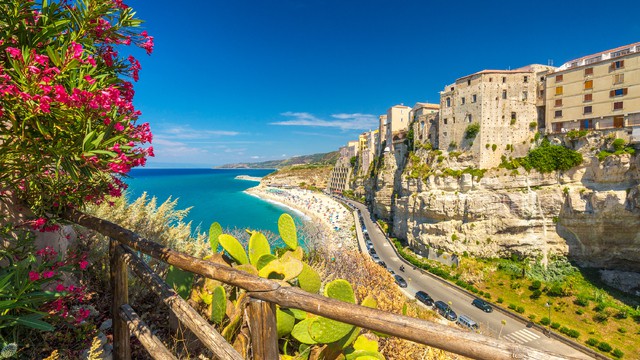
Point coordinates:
pixel 375 257
pixel 482 305
pixel 393 273
pixel 467 322
pixel 445 310
pixel 372 251
pixel 381 263
pixel 424 298
pixel 400 281
pixel 369 244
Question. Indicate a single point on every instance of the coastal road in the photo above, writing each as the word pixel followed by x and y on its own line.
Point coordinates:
pixel 490 323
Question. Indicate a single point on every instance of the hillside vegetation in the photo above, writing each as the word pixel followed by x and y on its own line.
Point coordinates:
pixel 320 159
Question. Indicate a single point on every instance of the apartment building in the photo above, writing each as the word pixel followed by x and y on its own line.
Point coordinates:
pixel 397 121
pixel 598 91
pixel 425 118
pixel 368 150
pixel 382 134
pixel 505 103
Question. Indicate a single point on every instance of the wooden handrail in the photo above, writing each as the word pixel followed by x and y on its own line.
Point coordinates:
pixel 421 331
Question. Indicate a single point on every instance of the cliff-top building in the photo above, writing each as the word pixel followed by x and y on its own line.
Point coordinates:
pixel 425 118
pixel 598 91
pixel 504 103
pixel 397 122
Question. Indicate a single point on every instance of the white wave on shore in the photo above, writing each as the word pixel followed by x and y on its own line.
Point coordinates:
pixel 299 213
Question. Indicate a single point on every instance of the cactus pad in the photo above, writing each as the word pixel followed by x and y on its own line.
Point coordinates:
pixel 218 305
pixel 362 343
pixel 299 314
pixel 370 302
pixel 248 268
pixel 287 230
pixel 309 280
pixel 234 248
pixel 264 260
pixel 324 330
pixel 300 332
pixel 281 270
pixel 258 246
pixel 285 320
pixel 340 289
pixel 180 280
pixel 215 230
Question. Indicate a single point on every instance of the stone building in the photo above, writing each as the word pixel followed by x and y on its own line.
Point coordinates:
pixel 368 150
pixel 504 103
pixel 425 123
pixel 598 91
pixel 382 134
pixel 397 121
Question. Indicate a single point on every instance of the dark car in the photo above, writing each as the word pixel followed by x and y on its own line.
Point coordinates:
pixel 372 251
pixel 375 257
pixel 482 305
pixel 424 298
pixel 369 244
pixel 445 310
pixel 400 281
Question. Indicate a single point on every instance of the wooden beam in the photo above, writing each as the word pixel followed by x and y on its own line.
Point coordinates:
pixel 120 292
pixel 139 328
pixel 185 313
pixel 264 334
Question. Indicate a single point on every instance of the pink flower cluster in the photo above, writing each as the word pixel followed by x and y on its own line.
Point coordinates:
pixel 42 225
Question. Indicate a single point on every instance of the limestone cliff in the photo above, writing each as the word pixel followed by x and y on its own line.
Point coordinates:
pixel 591 212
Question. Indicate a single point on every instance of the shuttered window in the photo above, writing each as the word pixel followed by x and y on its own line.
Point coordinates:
pixel 588 85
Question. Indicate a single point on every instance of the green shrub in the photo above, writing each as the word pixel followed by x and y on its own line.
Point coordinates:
pixel 535 285
pixel 533 124
pixel 622 330
pixel 520 309
pixel 556 290
pixel 545 321
pixel 494 147
pixel 576 134
pixel 512 306
pixel 487 295
pixel 573 333
pixel 472 130
pixel 617 353
pixel 579 311
pixel 536 294
pixel 548 158
pixel 500 300
pixel 581 300
pixel 555 325
pixel 603 346
pixel 618 144
pixel 592 342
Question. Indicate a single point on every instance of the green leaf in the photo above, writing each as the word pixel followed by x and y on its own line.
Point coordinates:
pixel 287 230
pixel 218 304
pixel 340 289
pixel 264 260
pixel 87 139
pixel 234 248
pixel 215 230
pixel 300 332
pixel 258 246
pixel 324 330
pixel 285 320
pixel 33 321
pixel 309 280
pixel 180 281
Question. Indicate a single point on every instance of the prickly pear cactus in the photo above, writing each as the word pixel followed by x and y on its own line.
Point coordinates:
pixel 258 246
pixel 215 230
pixel 309 280
pixel 340 289
pixel 264 260
pixel 364 348
pixel 285 320
pixel 218 304
pixel 281 270
pixel 300 332
pixel 287 230
pixel 180 280
pixel 233 247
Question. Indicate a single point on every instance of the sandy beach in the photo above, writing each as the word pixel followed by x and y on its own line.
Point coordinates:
pixel 335 218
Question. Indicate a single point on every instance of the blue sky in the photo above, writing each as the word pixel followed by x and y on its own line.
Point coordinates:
pixel 247 81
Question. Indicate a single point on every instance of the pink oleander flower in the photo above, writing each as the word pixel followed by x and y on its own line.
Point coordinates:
pixel 83 264
pixel 33 276
pixel 48 274
pixel 60 288
pixel 14 52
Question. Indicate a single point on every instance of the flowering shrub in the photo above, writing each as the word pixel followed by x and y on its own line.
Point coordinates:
pixel 68 127
pixel 32 294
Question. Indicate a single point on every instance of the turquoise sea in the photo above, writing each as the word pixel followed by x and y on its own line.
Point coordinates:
pixel 214 194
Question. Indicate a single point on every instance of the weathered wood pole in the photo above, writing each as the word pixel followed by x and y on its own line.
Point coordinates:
pixel 120 292
pixel 264 334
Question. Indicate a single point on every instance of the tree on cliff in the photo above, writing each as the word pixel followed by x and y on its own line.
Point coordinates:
pixel 68 127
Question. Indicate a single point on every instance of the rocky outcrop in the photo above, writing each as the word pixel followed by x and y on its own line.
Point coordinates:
pixel 590 213
pixel 302 176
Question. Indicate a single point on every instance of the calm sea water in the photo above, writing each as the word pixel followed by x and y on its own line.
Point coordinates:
pixel 214 195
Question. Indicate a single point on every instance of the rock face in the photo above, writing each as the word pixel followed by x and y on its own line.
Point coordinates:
pixel 590 213
pixel 302 176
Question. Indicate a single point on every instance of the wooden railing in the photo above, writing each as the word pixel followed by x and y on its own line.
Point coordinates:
pixel 264 294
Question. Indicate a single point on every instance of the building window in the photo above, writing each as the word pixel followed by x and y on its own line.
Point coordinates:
pixel 513 118
pixel 448 102
pixel 617 65
pixel 588 71
pixel 469 82
pixel 617 105
pixel 558 90
pixel 588 85
pixel 588 97
pixel 557 127
pixel 586 124
pixel 445 121
pixel 525 95
pixel 618 121
pixel 588 110
pixel 462 100
pixel 474 98
pixel 504 94
pixel 452 88
pixel 559 78
pixel 558 102
pixel 526 79
pixel 504 79
pixel 618 92
pixel 618 78
pixel 558 113
pixel 490 79
pixel 470 118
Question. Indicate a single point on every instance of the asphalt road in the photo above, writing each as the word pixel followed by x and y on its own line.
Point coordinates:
pixel 490 323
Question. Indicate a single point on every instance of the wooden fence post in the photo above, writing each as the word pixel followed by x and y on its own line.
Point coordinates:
pixel 264 334
pixel 120 291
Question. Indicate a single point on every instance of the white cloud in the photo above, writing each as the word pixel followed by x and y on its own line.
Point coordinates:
pixel 186 132
pixel 355 121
